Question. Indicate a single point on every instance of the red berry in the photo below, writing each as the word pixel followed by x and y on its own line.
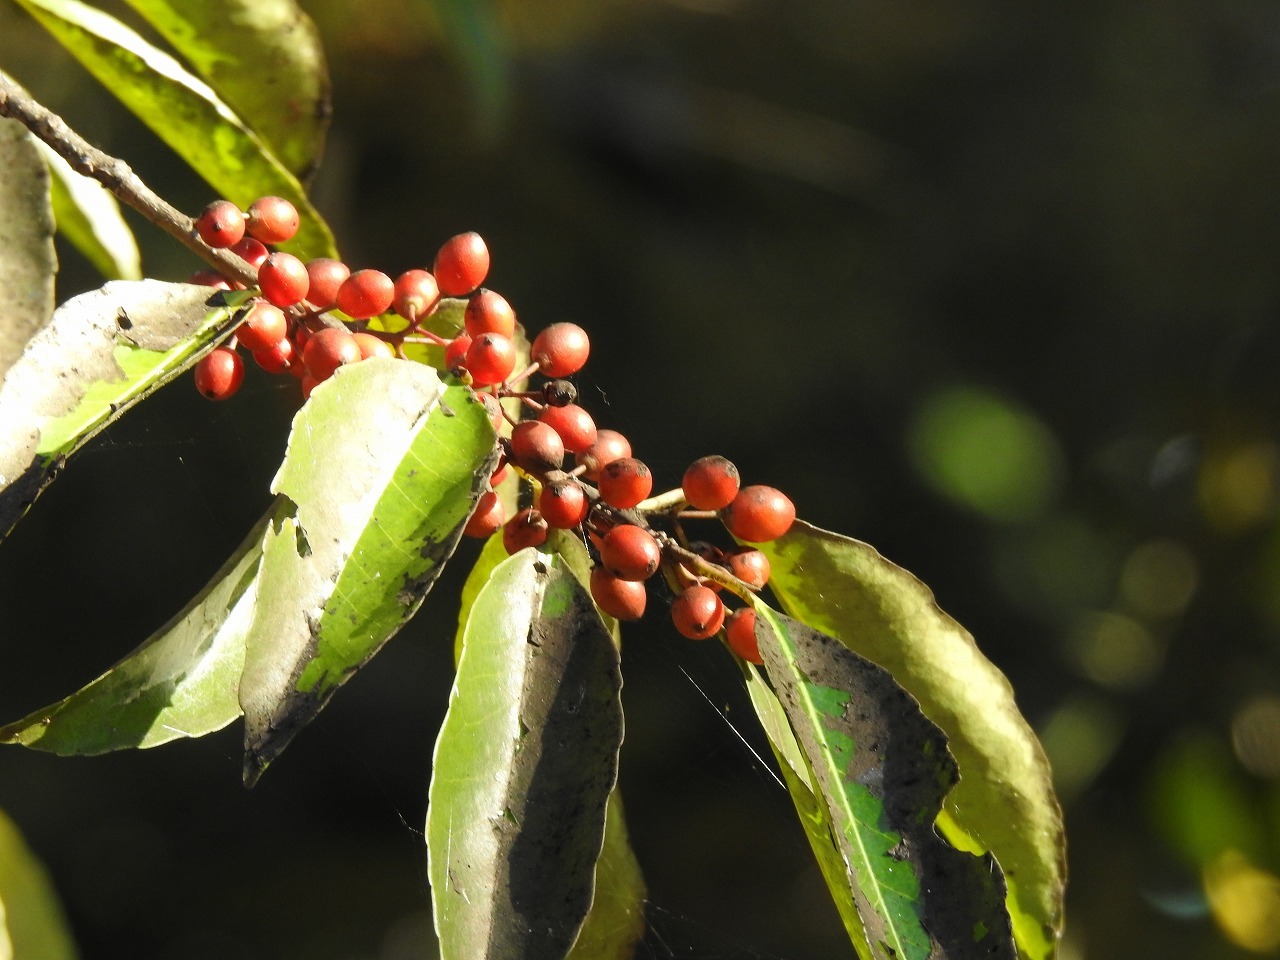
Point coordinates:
pixel 710 483
pixel 283 279
pixel 250 251
pixel 416 294
pixel 277 358
pixel 263 327
pixel 575 426
pixel 371 346
pixel 325 276
pixel 365 294
pixel 491 358
pixel 309 383
pixel 220 224
pixel 621 599
pixel 759 514
pixel 748 565
pixel 697 613
pixel 625 482
pixel 740 631
pixel 455 354
pixel 560 350
pixel 219 374
pixel 271 220
pixel 610 445
pixel 209 278
pixel 327 350
pixel 461 265
pixel 563 504
pixel 527 528
pixel 630 552
pixel 488 517
pixel 536 447
pixel 500 475
pixel 489 312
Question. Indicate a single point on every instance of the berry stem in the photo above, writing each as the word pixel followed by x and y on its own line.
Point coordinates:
pixel 668 502
pixel 692 562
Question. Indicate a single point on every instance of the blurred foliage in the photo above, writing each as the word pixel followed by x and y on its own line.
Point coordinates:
pixel 991 285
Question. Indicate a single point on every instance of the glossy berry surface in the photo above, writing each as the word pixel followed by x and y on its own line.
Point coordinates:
pixel 455 354
pixel 219 374
pixel 609 446
pixel 416 294
pixel 536 447
pixel 561 350
pixel 740 631
pixel 365 294
pixel 574 424
pixel 371 346
pixel 621 599
pixel 277 358
pixel 491 358
pixel 283 279
pixel 271 220
pixel 263 327
pixel 759 514
pixel 748 565
pixel 250 251
pixel 710 483
pixel 630 552
pixel 697 613
pixel 528 528
pixel 489 312
pixel 461 264
pixel 325 276
pixel 563 504
pixel 220 224
pixel 489 516
pixel 625 482
pixel 327 350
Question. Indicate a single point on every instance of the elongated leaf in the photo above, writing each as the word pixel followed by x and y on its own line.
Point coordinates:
pixel 384 464
pixel 181 682
pixel 1004 802
pixel 492 554
pixel 28 265
pixel 523 767
pixel 183 111
pixel 32 925
pixel 88 216
pixel 881 770
pixel 101 353
pixel 264 58
pixel 615 925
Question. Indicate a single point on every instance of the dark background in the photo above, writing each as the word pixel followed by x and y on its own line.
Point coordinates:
pixel 991 285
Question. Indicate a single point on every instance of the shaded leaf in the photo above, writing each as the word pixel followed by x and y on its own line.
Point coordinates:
pixel 28 265
pixel 616 923
pixel 101 353
pixel 1004 802
pixel 881 770
pixel 89 217
pixel 181 682
pixel 384 464
pixel 32 924
pixel 264 58
pixel 523 767
pixel 183 111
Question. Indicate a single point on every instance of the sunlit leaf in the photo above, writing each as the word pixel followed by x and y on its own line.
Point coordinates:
pixel 28 265
pixel 101 353
pixel 181 682
pixel 384 465
pixel 881 769
pixel 523 767
pixel 32 925
pixel 1004 802
pixel 88 216
pixel 264 58
pixel 183 111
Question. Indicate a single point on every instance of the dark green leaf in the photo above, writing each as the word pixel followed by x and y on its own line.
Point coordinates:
pixel 881 770
pixel 264 58
pixel 101 353
pixel 183 111
pixel 32 925
pixel 524 764
pixel 88 216
pixel 385 464
pixel 1004 802
pixel 28 265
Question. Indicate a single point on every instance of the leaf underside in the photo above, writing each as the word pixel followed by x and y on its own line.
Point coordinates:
pixel 28 265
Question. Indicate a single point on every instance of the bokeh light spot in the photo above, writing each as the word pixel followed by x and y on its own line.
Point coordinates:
pixel 1255 736
pixel 1245 901
pixel 1115 651
pixel 1159 578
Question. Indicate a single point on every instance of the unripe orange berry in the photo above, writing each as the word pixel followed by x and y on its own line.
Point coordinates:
pixel 219 374
pixel 621 599
pixel 630 552
pixel 759 514
pixel 740 631
pixel 697 613
pixel 710 483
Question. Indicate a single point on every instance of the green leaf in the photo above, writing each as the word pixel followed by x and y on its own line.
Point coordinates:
pixel 1004 802
pixel 28 265
pixel 492 554
pixel 32 925
pixel 264 58
pixel 523 767
pixel 101 353
pixel 183 111
pixel 881 770
pixel 89 218
pixel 384 464
pixel 181 682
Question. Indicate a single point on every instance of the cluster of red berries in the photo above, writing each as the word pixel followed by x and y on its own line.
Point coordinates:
pixel 606 492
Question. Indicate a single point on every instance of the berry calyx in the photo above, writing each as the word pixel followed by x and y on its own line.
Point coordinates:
pixel 625 482
pixel 759 514
pixel 749 565
pixel 575 426
pixel 271 220
pixel 489 312
pixel 365 294
pixel 563 504
pixel 528 528
pixel 560 350
pixel 740 631
pixel 416 295
pixel 620 599
pixel 710 483
pixel 327 350
pixel 558 393
pixel 488 517
pixel 536 447
pixel 220 224
pixel 491 358
pixel 283 279
pixel 610 445
pixel 219 374
pixel 263 327
pixel 461 264
pixel 325 276
pixel 697 613
pixel 630 552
